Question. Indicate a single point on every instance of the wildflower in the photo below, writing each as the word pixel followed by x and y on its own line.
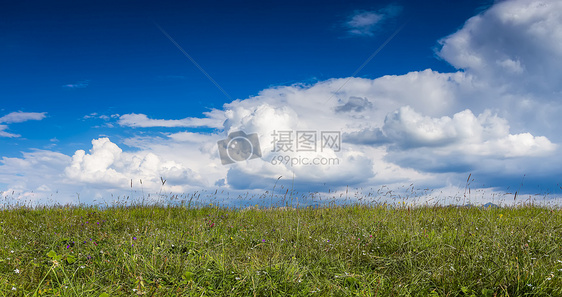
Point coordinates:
pixel 17 270
pixel 263 240
pixel 14 288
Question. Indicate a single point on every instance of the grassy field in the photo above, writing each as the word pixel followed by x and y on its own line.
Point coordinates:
pixel 337 251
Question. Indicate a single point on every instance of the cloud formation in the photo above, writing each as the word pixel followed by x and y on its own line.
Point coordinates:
pixel 367 23
pixel 7 134
pixel 106 165
pixel 464 133
pixel 18 117
pixel 213 120
pixel 514 43
pixel 496 118
pixel 78 85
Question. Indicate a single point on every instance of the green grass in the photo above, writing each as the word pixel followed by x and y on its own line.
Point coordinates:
pixel 336 251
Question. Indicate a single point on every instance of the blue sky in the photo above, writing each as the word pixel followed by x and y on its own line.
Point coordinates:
pixel 464 87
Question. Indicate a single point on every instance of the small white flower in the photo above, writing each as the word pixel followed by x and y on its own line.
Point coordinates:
pixel 17 271
pixel 134 290
pixel 14 288
pixel 12 251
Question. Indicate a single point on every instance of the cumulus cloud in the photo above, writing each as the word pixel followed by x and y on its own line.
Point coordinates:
pixel 390 133
pixel 367 23
pixel 107 165
pixel 35 177
pixel 516 43
pixel 464 133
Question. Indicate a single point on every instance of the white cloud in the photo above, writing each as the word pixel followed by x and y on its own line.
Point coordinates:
pixel 7 134
pixel 517 43
pixel 107 166
pixel 78 85
pixel 367 23
pixel 421 144
pixel 19 117
pixel 214 119
pixel 464 133
pixel 37 176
